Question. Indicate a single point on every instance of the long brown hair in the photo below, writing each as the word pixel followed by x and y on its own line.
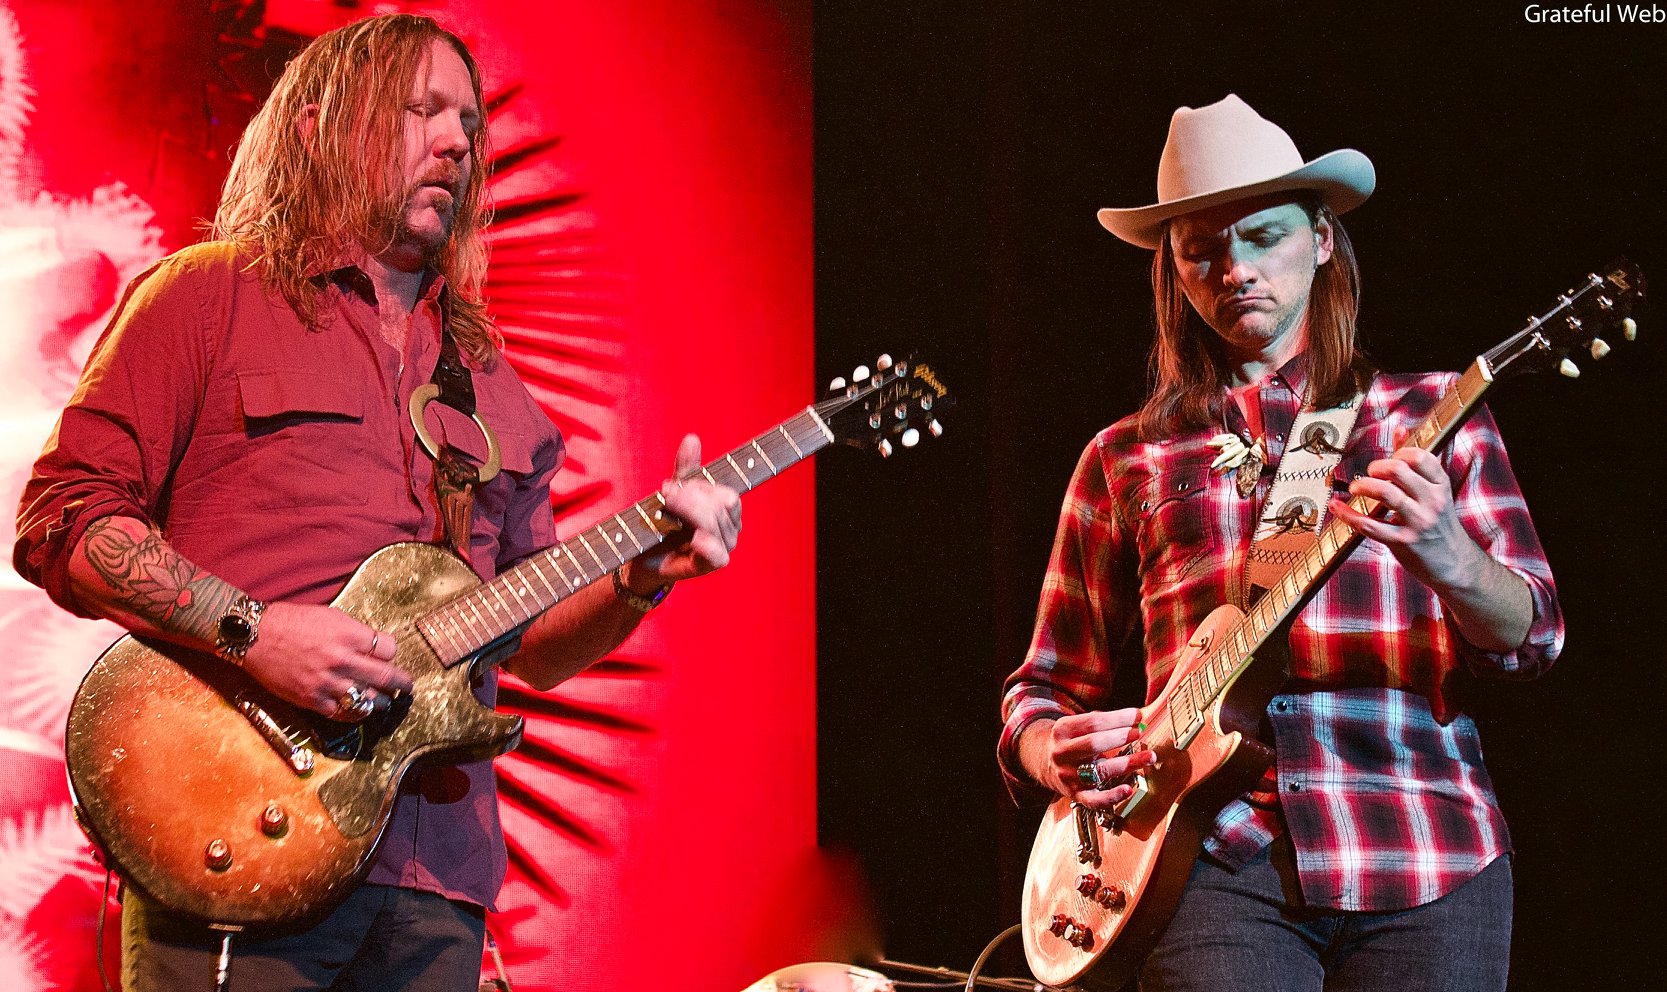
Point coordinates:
pixel 1188 369
pixel 299 201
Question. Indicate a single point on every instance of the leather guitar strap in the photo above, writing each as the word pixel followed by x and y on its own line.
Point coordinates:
pixel 1296 503
pixel 455 475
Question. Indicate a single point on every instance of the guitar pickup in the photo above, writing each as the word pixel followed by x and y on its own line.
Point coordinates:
pixel 1125 809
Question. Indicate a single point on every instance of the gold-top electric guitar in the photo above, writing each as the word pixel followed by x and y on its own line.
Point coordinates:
pixel 1101 887
pixel 222 802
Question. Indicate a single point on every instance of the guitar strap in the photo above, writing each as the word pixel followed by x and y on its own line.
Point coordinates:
pixel 1295 507
pixel 455 475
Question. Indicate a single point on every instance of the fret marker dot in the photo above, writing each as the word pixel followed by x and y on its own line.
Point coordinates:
pixel 656 514
pixel 750 463
pixel 618 537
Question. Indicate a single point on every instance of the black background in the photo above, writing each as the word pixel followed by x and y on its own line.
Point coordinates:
pixel 961 151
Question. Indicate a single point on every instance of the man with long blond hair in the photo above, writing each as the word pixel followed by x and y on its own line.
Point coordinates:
pixel 238 445
pixel 1373 854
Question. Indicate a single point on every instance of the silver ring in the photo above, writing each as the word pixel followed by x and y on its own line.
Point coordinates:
pixel 355 703
pixel 1088 773
pixel 375 637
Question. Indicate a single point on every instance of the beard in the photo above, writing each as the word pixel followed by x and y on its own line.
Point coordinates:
pixel 423 223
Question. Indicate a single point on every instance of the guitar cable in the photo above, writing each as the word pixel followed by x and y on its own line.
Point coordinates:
pixel 98 933
pixel 984 955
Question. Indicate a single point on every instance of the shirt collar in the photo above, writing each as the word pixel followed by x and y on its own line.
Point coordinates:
pixel 347 270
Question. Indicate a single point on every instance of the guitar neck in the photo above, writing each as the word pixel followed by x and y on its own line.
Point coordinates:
pixel 503 606
pixel 1336 539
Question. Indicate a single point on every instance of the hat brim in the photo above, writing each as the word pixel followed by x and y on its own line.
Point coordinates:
pixel 1343 179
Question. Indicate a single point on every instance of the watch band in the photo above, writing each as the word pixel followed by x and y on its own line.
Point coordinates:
pixel 642 604
pixel 238 628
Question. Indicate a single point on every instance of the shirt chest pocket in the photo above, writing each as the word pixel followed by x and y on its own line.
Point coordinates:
pixel 303 439
pixel 1175 532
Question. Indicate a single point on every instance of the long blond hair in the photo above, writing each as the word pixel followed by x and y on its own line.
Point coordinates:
pixel 1188 368
pixel 298 201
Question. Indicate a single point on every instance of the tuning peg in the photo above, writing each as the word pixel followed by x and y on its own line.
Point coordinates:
pixel 885 448
pixel 926 402
pixel 882 363
pixel 1569 369
pixel 935 427
pixel 1599 348
pixel 837 384
pixel 900 411
pixel 911 437
pixel 1629 327
pixel 859 373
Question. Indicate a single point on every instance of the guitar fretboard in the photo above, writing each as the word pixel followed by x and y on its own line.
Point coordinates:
pixel 509 602
pixel 1198 690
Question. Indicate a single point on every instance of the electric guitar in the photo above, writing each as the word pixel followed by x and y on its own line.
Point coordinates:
pixel 1101 886
pixel 225 803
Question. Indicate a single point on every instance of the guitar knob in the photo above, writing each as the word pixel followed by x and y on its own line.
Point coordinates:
pixel 1059 925
pixel 1088 884
pixel 218 855
pixel 1569 369
pixel 1599 347
pixel 1111 897
pixel 1629 327
pixel 274 822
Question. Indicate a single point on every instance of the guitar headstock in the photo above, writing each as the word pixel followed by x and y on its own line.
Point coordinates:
pixel 893 404
pixel 1600 305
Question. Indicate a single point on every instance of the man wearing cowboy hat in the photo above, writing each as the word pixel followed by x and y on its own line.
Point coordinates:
pixel 1371 855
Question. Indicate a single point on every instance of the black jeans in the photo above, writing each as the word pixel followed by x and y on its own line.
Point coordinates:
pixel 380 938
pixel 1248 931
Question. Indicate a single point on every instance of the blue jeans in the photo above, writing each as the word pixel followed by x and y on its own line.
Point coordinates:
pixel 1249 932
pixel 380 939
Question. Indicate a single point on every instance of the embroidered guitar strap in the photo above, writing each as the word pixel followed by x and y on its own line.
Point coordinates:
pixel 1296 502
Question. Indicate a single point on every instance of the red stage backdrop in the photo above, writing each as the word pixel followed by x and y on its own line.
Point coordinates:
pixel 652 272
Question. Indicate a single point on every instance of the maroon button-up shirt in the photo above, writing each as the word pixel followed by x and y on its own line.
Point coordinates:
pixel 279 456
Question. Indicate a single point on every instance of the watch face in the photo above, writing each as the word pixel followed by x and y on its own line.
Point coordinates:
pixel 235 629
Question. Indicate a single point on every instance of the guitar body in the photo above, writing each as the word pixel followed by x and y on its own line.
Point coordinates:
pixel 192 801
pixel 1074 933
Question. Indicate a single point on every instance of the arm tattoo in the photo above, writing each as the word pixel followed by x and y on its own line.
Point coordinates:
pixel 150 579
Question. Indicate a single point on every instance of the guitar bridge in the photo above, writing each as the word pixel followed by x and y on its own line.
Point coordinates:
pixel 294 753
pixel 1088 835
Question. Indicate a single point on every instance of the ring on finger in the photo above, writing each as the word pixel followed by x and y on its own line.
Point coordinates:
pixel 375 638
pixel 355 703
pixel 1088 773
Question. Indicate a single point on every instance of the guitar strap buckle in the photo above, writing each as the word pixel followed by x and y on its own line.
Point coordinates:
pixel 455 476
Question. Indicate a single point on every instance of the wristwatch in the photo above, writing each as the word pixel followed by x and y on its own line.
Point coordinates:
pixel 642 604
pixel 238 628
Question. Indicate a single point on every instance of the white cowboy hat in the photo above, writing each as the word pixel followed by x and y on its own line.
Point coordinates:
pixel 1227 152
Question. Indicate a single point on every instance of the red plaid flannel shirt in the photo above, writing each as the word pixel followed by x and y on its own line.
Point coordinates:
pixel 1379 779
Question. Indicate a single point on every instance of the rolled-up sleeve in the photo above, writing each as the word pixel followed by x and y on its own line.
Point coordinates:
pixel 126 426
pixel 1088 605
pixel 1490 505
